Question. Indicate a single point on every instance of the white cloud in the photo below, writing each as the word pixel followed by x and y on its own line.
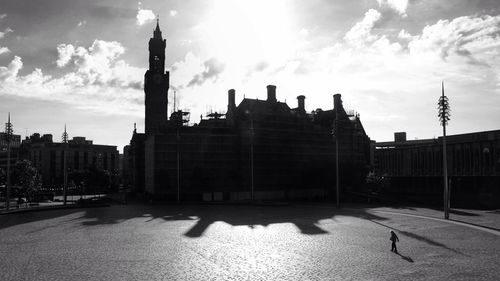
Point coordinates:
pixel 2 16
pixel 97 80
pixel 399 6
pixel 394 75
pixel 144 16
pixel 65 52
pixel 184 71
pixel 9 73
pixel 4 50
pixel 82 23
pixel 304 32
pixel 403 34
pixel 466 36
pixel 361 31
pixel 5 32
pixel 173 13
pixel 8 30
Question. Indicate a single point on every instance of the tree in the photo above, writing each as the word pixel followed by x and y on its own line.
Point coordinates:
pixel 26 178
pixel 3 182
pixel 3 177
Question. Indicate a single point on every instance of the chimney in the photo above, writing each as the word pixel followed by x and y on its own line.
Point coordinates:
pixel 400 137
pixel 231 99
pixel 271 93
pixel 231 104
pixel 337 103
pixel 301 102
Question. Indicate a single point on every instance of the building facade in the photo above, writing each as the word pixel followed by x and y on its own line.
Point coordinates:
pixel 48 156
pixel 260 149
pixel 15 144
pixel 415 168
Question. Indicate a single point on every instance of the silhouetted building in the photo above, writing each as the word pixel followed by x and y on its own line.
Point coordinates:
pixel 415 168
pixel 156 84
pixel 292 151
pixel 48 156
pixel 15 144
pixel 134 162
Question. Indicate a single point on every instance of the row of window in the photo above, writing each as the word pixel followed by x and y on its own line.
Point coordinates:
pixel 462 159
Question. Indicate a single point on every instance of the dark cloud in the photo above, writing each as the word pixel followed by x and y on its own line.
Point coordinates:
pixel 213 68
pixel 119 83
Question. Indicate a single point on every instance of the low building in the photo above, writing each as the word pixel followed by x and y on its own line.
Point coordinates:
pixel 15 144
pixel 48 156
pixel 415 168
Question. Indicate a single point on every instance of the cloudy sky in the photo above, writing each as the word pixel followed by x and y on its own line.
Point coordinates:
pixel 82 62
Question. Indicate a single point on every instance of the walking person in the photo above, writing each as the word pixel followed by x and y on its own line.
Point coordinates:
pixel 394 238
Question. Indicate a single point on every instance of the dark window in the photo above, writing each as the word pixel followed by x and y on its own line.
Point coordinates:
pixel 52 165
pixel 85 159
pixel 112 161
pixel 63 154
pixel 105 160
pixel 76 160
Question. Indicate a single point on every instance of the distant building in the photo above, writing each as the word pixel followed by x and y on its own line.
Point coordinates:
pixel 415 167
pixel 48 156
pixel 282 152
pixel 15 144
pixel 134 162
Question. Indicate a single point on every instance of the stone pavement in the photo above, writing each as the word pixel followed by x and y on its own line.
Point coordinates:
pixel 484 218
pixel 211 242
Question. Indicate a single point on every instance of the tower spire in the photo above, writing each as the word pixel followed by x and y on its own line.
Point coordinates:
pixel 157 31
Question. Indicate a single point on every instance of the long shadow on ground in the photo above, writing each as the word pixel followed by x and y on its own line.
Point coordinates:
pixel 235 215
pixel 418 237
pixel 9 220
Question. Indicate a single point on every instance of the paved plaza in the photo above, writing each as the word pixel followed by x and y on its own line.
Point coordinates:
pixel 244 242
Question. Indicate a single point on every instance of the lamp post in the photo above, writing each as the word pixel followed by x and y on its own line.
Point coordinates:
pixel 65 169
pixel 337 157
pixel 8 135
pixel 178 137
pixel 444 117
pixel 335 134
pixel 251 157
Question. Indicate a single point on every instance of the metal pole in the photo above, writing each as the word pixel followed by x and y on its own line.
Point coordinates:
pixel 445 175
pixel 8 135
pixel 65 177
pixel 251 158
pixel 444 114
pixel 178 167
pixel 337 156
pixel 7 196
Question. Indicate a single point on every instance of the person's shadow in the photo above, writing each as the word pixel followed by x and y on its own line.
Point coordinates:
pixel 406 258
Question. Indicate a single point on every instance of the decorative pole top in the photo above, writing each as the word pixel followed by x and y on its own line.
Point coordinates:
pixel 65 135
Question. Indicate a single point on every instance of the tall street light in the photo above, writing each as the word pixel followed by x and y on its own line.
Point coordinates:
pixel 65 169
pixel 178 138
pixel 8 135
pixel 251 156
pixel 335 133
pixel 252 133
pixel 444 117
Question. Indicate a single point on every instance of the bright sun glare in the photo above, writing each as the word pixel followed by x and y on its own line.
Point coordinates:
pixel 246 33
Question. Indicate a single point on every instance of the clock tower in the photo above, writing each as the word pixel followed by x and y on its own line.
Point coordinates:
pixel 156 83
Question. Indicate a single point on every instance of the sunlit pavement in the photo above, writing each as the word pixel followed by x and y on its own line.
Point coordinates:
pixel 217 242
